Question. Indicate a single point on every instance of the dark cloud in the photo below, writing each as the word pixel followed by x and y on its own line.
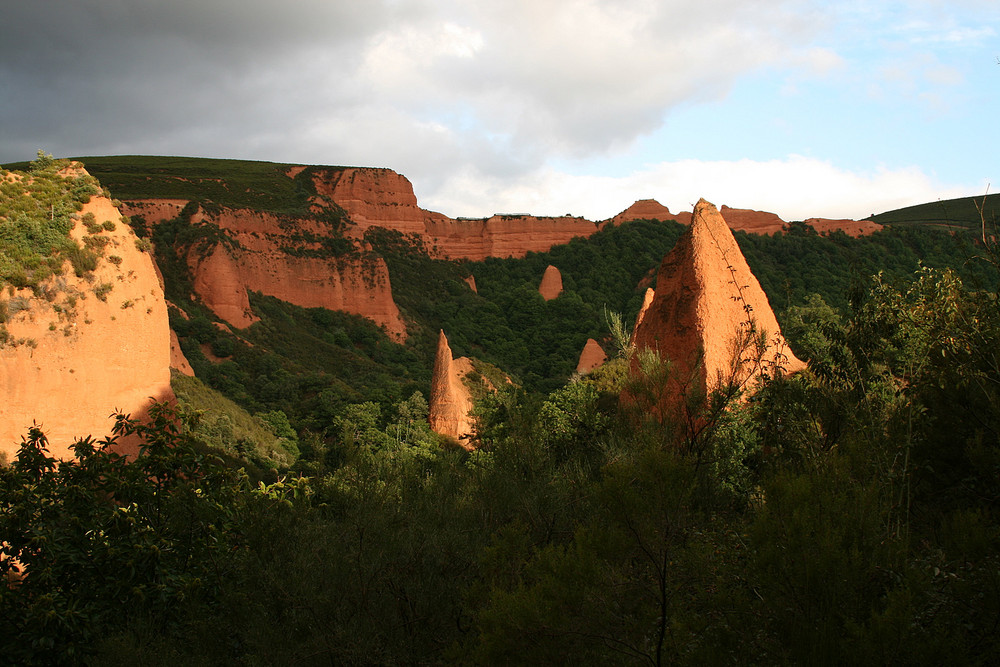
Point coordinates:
pixel 87 76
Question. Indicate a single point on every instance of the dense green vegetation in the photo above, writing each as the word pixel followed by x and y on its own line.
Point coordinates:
pixel 38 208
pixel 263 186
pixel 847 514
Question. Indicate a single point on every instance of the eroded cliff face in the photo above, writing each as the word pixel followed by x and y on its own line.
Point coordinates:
pixel 756 222
pixel 451 399
pixel 706 305
pixel 260 260
pixel 381 197
pixel 853 228
pixel 647 300
pixel 742 219
pixel 280 257
pixel 650 209
pixel 551 285
pixel 100 345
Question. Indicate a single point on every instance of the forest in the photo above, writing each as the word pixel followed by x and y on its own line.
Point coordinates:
pixel 295 508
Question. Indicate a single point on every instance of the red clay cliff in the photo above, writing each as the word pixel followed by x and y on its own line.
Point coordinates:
pixel 106 347
pixel 706 305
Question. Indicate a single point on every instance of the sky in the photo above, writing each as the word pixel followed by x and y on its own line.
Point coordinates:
pixel 806 108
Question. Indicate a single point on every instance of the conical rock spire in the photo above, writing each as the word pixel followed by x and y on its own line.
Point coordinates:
pixel 451 400
pixel 707 310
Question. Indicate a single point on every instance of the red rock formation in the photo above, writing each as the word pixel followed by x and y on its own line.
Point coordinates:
pixel 853 228
pixel 650 209
pixel 177 359
pixel 647 299
pixel 699 318
pixel 756 222
pixel 224 274
pixel 591 357
pixel 551 285
pixel 470 280
pixel 381 197
pixel 503 235
pixel 79 364
pixel 374 197
pixel 451 400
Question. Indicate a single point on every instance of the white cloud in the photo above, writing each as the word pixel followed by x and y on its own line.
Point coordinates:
pixel 795 188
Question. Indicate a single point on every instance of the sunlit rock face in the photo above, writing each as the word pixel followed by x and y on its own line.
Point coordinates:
pixel 551 285
pixel 451 399
pixel 591 357
pixel 756 222
pixel 99 346
pixel 264 253
pixel 853 228
pixel 706 302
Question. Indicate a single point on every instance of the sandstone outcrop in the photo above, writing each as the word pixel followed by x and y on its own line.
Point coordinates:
pixel 503 235
pixel 470 280
pixel 755 222
pixel 853 228
pixel 178 361
pixel 373 197
pixel 591 357
pixel 551 285
pixel 647 299
pixel 650 209
pixel 451 399
pixel 701 315
pixel 281 258
pixel 97 347
pixel 741 219
pixel 381 197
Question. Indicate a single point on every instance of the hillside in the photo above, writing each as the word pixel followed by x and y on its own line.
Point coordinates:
pixel 234 238
pixel 965 212
pixel 299 508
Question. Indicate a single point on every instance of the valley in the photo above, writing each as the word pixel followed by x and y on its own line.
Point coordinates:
pixel 371 432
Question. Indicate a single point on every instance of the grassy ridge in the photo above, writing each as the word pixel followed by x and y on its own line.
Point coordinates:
pixel 264 186
pixel 946 214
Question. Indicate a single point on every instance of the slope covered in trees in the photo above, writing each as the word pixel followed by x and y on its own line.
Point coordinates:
pixel 847 514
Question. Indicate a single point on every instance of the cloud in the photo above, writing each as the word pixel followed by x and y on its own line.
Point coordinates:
pixel 533 78
pixel 795 188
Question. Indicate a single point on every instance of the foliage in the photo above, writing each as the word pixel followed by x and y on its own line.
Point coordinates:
pixel 261 186
pixel 38 209
pixel 97 542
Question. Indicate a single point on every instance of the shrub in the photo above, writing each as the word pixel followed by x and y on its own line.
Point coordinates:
pixel 108 225
pixel 83 260
pixel 101 291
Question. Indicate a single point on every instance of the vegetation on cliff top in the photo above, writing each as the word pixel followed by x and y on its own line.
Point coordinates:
pixel 38 208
